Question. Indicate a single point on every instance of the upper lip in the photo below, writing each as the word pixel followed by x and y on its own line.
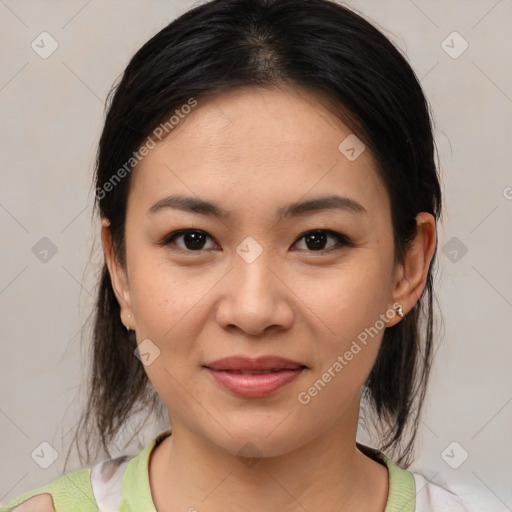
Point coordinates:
pixel 249 364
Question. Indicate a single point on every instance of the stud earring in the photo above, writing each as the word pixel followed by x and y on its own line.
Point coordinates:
pixel 127 328
pixel 400 311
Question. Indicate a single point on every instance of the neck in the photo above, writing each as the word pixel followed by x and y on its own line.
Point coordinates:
pixel 188 472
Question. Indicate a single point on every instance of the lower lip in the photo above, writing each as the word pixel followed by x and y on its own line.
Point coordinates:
pixel 253 386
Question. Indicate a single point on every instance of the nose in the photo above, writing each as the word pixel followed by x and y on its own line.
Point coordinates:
pixel 255 298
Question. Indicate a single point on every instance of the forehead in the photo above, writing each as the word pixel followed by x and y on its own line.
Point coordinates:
pixel 260 144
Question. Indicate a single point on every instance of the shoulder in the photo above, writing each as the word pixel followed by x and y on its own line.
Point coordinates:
pixel 100 486
pixel 80 491
pixel 72 490
pixel 431 497
pixel 410 491
pixel 32 501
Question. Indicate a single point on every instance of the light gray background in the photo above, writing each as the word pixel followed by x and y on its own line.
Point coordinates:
pixel 51 113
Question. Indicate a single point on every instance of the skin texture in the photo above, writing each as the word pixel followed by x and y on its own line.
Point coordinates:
pixel 252 151
pixel 38 503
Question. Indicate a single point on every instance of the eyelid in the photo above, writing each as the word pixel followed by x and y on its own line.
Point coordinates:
pixel 168 239
pixel 342 240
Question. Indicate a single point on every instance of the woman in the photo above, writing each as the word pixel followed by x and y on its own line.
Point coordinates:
pixel 269 197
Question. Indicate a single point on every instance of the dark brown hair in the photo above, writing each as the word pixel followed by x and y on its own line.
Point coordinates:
pixel 316 46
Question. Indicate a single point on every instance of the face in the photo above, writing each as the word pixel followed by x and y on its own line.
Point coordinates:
pixel 312 285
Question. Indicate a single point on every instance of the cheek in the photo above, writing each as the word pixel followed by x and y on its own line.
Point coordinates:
pixel 352 308
pixel 351 311
pixel 353 298
pixel 165 297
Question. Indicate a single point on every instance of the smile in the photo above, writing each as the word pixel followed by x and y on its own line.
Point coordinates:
pixel 252 383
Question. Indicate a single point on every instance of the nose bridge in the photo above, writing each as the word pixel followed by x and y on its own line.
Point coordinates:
pixel 254 298
pixel 254 278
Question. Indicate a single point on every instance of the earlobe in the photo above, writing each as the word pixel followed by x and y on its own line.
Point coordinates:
pixel 413 272
pixel 117 273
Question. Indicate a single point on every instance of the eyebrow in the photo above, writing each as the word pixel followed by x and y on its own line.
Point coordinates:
pixel 202 207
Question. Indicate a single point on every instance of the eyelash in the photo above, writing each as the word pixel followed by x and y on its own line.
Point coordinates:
pixel 342 240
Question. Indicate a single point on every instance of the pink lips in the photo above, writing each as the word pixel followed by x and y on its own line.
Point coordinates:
pixel 232 374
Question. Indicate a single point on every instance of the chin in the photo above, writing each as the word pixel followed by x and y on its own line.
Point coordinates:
pixel 254 441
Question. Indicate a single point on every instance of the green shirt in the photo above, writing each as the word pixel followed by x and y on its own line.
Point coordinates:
pixel 73 492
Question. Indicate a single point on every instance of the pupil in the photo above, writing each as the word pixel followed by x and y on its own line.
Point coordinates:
pixel 193 240
pixel 318 240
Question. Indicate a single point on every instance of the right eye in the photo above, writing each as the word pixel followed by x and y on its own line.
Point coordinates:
pixel 193 240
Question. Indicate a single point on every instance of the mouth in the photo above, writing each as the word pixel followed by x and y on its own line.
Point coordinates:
pixel 263 364
pixel 256 372
pixel 253 378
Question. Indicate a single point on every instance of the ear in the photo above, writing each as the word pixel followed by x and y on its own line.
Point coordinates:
pixel 411 274
pixel 118 276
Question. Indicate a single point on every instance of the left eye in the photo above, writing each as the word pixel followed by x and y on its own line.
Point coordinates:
pixel 315 240
pixel 194 240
